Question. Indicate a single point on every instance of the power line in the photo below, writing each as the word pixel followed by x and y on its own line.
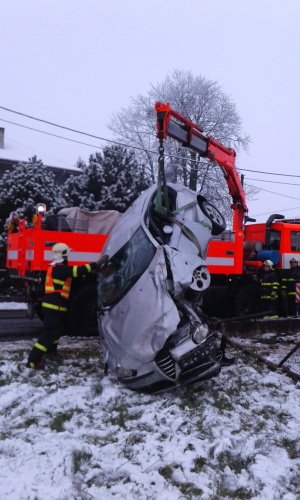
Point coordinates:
pixel 273 182
pixel 114 142
pixel 272 192
pixel 139 148
pixel 41 152
pixel 267 173
pixel 53 124
pixel 51 134
pixel 279 211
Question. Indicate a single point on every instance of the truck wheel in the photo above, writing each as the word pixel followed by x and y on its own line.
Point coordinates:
pixel 212 213
pixel 246 300
pixel 83 311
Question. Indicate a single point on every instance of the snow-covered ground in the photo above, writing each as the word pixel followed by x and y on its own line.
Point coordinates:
pixel 13 306
pixel 70 432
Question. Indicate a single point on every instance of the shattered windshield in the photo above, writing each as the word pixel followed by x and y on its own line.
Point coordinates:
pixel 121 272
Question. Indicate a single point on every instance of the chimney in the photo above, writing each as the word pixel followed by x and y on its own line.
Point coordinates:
pixel 1 138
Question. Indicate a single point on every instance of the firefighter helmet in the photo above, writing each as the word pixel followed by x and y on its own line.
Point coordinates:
pixel 268 263
pixel 293 259
pixel 60 251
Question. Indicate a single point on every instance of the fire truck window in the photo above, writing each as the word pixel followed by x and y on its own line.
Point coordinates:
pixel 295 241
pixel 124 269
pixel 274 240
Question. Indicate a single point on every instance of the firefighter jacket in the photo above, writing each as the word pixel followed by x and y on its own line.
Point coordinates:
pixel 269 284
pixel 58 284
pixel 288 281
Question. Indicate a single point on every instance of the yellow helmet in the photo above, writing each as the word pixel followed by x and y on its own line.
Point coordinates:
pixel 61 251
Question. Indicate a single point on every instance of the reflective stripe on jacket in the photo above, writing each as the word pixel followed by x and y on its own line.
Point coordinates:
pixel 58 284
pixel 289 279
pixel 269 285
pixel 63 287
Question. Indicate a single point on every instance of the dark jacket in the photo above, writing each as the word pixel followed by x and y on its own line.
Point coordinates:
pixel 58 284
pixel 269 283
pixel 289 279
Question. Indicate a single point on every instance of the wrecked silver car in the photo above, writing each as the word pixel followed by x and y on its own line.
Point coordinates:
pixel 149 291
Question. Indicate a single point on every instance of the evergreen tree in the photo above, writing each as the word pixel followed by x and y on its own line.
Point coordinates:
pixel 26 184
pixel 110 181
pixel 124 178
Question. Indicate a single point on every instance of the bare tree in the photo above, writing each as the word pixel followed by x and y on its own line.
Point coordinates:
pixel 204 103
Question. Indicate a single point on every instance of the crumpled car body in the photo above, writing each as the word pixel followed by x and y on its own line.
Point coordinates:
pixel 149 291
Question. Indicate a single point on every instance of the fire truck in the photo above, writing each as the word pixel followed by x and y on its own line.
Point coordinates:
pixel 234 255
pixel 29 254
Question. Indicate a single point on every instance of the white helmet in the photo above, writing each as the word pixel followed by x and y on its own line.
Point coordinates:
pixel 60 251
pixel 268 263
pixel 293 259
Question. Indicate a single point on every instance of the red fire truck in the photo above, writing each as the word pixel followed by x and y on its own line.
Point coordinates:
pixel 28 256
pixel 233 256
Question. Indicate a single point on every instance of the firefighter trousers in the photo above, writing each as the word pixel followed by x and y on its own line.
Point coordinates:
pixel 269 306
pixel 54 328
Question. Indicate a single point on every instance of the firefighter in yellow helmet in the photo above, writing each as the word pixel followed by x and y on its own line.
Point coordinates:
pixel 289 280
pixel 55 303
pixel 269 285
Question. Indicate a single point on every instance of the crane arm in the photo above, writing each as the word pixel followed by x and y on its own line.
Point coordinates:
pixel 172 124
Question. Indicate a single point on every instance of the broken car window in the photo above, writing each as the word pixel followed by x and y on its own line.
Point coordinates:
pixel 121 272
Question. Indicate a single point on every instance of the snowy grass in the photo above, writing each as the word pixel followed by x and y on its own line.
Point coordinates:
pixel 71 433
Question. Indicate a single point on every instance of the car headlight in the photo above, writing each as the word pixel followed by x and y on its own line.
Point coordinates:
pixel 200 333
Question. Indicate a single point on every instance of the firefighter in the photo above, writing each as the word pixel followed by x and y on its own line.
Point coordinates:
pixel 269 286
pixel 55 303
pixel 30 216
pixel 289 280
pixel 13 222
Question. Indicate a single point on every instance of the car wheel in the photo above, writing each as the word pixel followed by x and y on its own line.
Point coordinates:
pixel 212 213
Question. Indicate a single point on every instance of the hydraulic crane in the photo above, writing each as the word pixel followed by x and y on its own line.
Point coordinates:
pixel 172 124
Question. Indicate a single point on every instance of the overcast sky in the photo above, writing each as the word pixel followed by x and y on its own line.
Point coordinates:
pixel 75 62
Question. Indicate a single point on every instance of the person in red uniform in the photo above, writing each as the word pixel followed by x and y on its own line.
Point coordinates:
pixel 55 303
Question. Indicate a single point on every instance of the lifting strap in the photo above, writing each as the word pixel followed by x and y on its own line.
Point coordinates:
pixel 188 233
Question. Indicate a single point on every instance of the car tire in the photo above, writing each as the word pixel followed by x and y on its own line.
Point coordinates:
pixel 212 213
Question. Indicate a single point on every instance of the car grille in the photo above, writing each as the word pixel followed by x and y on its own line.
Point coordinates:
pixel 166 364
pixel 203 354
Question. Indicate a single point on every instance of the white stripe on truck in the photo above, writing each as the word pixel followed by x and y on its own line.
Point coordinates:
pixel 219 261
pixel 76 256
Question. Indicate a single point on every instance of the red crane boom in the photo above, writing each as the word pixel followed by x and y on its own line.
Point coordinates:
pixel 172 124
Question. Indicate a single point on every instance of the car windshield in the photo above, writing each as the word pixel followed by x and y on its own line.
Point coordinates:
pixel 121 272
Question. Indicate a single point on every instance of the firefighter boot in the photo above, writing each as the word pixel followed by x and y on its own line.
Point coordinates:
pixel 53 356
pixel 37 365
pixel 36 357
